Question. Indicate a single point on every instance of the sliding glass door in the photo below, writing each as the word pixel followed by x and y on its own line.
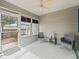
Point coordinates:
pixel 9 33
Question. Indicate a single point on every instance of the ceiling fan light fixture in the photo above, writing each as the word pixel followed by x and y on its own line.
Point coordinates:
pixel 45 3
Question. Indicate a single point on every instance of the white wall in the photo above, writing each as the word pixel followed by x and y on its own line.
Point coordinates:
pixel 61 22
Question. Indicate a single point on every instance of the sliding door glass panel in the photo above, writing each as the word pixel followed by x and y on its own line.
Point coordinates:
pixel 9 35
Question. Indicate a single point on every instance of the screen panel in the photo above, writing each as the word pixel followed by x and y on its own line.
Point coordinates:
pixel 78 20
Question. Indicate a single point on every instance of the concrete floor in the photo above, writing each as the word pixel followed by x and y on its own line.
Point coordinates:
pixel 42 50
pixel 9 45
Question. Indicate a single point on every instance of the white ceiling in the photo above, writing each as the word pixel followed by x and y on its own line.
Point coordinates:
pixel 34 5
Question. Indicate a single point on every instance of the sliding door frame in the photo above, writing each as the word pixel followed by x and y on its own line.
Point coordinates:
pixel 0 35
pixel 18 26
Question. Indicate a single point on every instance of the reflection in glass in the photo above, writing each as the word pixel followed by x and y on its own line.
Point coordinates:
pixel 8 20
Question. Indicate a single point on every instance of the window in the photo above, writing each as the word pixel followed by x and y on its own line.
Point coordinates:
pixel 25 25
pixel 25 19
pixel 34 27
pixel 34 21
pixel 28 28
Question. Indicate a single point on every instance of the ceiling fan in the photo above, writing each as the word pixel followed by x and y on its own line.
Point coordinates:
pixel 45 3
